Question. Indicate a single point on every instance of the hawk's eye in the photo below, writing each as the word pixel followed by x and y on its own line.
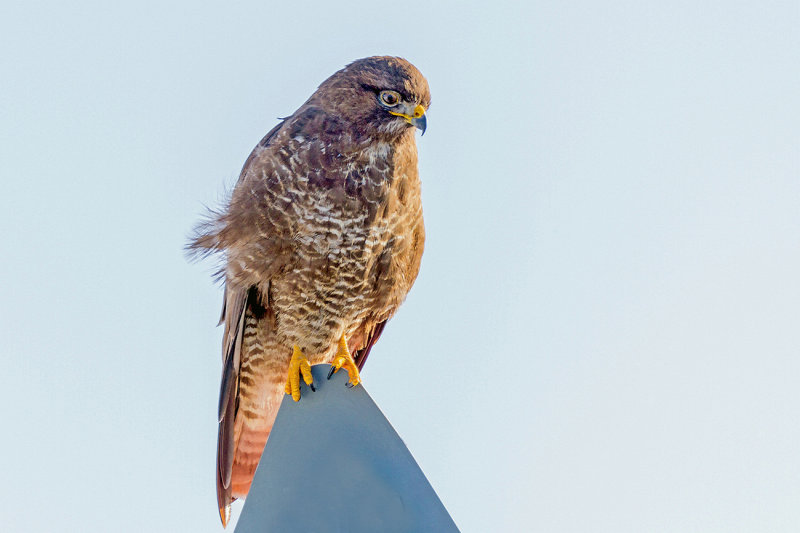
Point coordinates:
pixel 390 98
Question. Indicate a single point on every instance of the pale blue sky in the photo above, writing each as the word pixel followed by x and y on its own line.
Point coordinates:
pixel 605 335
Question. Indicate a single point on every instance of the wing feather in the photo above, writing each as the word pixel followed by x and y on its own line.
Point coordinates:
pixel 362 354
pixel 234 306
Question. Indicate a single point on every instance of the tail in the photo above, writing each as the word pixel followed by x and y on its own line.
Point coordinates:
pixel 250 395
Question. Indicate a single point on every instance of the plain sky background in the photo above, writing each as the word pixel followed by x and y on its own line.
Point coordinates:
pixel 605 334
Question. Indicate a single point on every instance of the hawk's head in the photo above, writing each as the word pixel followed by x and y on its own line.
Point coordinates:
pixel 377 96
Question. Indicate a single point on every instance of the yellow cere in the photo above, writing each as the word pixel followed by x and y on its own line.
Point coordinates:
pixel 418 112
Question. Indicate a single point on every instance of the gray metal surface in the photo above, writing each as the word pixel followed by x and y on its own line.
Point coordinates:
pixel 333 463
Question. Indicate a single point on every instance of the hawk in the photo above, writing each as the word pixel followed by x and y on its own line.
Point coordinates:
pixel 322 239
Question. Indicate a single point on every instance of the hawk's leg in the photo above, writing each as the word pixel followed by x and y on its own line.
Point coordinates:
pixel 343 359
pixel 298 366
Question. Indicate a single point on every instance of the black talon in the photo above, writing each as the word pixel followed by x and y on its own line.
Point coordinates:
pixel 312 387
pixel 350 385
pixel 333 369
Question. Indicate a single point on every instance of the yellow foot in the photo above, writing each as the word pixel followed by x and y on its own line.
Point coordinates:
pixel 298 366
pixel 343 359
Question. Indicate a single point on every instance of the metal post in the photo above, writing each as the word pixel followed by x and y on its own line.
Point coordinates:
pixel 333 463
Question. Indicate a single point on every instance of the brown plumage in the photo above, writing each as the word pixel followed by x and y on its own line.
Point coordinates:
pixel 322 237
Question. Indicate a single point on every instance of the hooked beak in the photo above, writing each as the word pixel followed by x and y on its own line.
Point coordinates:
pixel 415 117
pixel 420 122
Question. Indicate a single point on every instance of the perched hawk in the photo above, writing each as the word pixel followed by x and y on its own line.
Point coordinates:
pixel 322 240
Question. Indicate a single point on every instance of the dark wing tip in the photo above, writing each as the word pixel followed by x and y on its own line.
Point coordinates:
pixel 363 353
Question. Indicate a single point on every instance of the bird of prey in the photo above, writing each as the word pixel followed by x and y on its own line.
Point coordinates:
pixel 322 239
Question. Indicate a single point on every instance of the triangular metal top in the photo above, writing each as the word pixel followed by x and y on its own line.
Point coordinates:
pixel 333 463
